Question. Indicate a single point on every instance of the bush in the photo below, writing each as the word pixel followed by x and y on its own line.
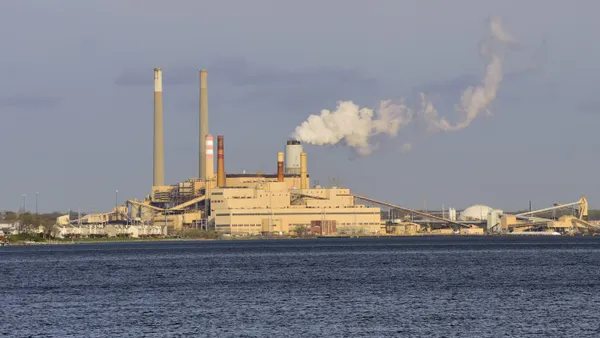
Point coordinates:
pixel 301 230
pixel 25 237
pixel 152 236
pixel 204 234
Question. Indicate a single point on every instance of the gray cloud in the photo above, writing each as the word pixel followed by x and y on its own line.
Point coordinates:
pixel 534 61
pixel 456 85
pixel 295 90
pixel 239 72
pixel 589 107
pixel 255 104
pixel 171 76
pixel 451 86
pixel 261 87
pixel 29 101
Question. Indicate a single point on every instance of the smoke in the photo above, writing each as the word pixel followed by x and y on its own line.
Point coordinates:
pixel 355 125
pixel 498 32
pixel 476 99
pixel 472 101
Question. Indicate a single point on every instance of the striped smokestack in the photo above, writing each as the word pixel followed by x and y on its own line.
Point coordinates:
pixel 159 151
pixel 280 167
pixel 220 162
pixel 210 160
pixel 303 174
pixel 203 122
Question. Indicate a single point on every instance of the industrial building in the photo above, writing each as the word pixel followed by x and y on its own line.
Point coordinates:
pixel 241 203
pixel 256 203
pixel 271 207
pixel 285 202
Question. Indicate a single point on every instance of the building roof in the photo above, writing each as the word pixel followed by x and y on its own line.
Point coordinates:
pixel 261 175
pixel 475 212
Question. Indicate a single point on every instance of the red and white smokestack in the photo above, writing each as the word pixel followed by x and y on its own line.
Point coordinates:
pixel 280 167
pixel 210 160
pixel 220 162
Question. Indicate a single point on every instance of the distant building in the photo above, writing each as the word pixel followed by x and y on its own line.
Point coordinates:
pixel 111 230
pixel 7 229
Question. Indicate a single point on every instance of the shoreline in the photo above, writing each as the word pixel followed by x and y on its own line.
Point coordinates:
pixel 146 240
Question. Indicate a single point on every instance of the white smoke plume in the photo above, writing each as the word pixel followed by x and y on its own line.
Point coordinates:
pixel 472 101
pixel 499 33
pixel 475 99
pixel 355 125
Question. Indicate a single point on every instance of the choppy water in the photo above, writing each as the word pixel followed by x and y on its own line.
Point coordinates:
pixel 432 287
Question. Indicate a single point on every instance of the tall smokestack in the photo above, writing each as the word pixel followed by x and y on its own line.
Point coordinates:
pixel 220 162
pixel 159 150
pixel 303 175
pixel 203 121
pixel 280 167
pixel 210 160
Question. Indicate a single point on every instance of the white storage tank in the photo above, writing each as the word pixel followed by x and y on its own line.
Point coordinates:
pixel 452 214
pixel 475 213
pixel 493 221
pixel 293 149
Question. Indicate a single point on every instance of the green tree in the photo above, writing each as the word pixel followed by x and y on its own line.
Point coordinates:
pixel 10 216
pixel 301 230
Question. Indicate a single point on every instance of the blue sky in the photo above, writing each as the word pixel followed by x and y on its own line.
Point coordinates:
pixel 76 96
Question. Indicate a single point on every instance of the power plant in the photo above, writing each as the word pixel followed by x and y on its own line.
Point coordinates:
pixel 285 202
pixel 239 202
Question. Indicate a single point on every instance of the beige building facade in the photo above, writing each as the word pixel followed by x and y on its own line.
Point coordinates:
pixel 275 207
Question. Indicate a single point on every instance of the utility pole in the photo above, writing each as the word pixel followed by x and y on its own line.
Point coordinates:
pixel 36 202
pixel 24 202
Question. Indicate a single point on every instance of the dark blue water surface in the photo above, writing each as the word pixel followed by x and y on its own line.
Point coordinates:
pixel 395 287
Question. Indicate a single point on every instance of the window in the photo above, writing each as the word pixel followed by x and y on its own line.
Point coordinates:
pixel 320 213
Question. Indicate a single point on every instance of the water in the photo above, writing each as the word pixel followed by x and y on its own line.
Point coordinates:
pixel 431 287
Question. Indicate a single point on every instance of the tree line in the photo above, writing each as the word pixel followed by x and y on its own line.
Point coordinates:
pixel 28 222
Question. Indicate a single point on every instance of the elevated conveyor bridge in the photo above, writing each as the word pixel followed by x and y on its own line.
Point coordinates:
pixel 455 224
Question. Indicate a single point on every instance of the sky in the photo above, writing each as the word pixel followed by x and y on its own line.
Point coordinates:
pixel 76 96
